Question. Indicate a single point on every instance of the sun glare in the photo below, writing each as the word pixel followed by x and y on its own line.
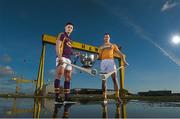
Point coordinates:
pixel 176 39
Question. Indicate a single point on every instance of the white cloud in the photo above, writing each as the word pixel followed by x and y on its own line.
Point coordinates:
pixel 169 4
pixel 52 72
pixel 5 71
pixel 5 58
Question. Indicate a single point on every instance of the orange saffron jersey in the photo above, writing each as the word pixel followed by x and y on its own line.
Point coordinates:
pixel 107 51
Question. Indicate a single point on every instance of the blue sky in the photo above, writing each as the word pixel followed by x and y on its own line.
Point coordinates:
pixel 143 28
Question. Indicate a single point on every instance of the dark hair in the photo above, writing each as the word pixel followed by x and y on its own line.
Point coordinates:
pixel 69 23
pixel 107 34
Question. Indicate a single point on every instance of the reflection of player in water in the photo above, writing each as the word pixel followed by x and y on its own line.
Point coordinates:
pixel 118 111
pixel 105 111
pixel 56 109
pixel 66 110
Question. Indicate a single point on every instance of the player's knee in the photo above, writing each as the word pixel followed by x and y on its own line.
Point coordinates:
pixel 60 73
pixel 58 77
pixel 67 78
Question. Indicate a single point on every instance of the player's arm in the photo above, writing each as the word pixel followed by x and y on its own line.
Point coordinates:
pixel 58 44
pixel 100 53
pixel 122 56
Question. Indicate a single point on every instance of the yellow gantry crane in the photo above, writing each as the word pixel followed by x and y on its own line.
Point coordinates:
pixel 21 80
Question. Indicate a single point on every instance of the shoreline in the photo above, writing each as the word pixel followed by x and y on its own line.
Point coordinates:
pixel 99 97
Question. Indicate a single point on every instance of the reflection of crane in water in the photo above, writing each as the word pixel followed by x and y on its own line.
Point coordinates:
pixel 14 110
pixel 21 80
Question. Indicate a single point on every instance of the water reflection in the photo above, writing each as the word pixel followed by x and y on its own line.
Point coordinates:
pixel 105 111
pixel 117 113
pixel 57 107
pixel 74 110
pixel 45 108
pixel 15 111
pixel 37 107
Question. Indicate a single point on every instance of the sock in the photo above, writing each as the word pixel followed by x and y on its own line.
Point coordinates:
pixel 104 89
pixel 66 111
pixel 66 89
pixel 57 87
pixel 66 114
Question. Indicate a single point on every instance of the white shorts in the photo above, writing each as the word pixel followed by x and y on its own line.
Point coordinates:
pixel 107 65
pixel 64 65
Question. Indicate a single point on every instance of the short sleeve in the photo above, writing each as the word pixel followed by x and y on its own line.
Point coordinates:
pixel 61 36
pixel 115 47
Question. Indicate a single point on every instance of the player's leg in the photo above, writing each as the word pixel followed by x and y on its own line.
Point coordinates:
pixel 59 74
pixel 103 66
pixel 67 74
pixel 112 67
pixel 116 87
pixel 104 91
pixel 115 82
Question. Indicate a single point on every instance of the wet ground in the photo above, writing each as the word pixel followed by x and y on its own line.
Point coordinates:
pixel 43 107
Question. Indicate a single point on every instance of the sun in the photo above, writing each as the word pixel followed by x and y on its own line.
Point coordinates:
pixel 176 39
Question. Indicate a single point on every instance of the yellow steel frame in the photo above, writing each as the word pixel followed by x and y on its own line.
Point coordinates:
pixel 48 39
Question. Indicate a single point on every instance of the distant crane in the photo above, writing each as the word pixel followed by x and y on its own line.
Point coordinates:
pixel 21 80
